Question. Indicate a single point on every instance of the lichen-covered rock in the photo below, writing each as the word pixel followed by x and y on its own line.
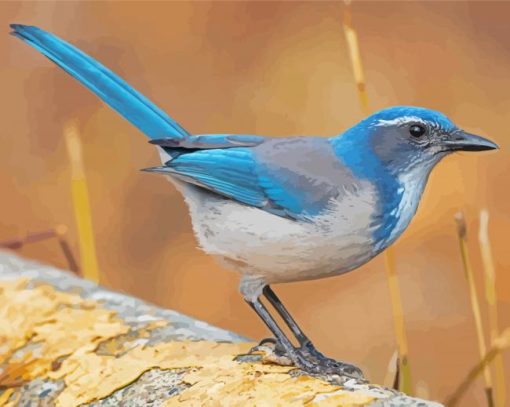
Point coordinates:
pixel 67 342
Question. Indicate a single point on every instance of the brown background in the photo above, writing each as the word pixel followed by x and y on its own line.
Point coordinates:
pixel 270 69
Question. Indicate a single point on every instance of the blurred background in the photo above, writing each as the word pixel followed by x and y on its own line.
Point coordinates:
pixel 269 69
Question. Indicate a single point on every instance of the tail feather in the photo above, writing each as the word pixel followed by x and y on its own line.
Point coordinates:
pixel 113 90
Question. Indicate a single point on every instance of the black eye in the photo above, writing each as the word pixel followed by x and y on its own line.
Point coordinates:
pixel 417 130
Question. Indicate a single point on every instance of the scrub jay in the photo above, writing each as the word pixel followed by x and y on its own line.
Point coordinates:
pixel 289 208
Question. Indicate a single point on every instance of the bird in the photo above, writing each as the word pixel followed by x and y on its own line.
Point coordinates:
pixel 285 209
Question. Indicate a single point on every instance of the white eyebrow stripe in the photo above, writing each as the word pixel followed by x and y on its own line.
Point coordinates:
pixel 399 121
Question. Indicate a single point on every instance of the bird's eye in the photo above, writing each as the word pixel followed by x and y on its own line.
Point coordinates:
pixel 417 130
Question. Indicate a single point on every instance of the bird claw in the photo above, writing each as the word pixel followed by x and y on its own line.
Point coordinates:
pixel 270 343
pixel 272 352
pixel 306 358
pixel 329 366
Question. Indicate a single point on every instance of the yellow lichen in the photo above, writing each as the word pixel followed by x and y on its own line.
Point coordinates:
pixel 214 376
pixel 94 352
pixel 4 397
pixel 57 324
pixel 23 309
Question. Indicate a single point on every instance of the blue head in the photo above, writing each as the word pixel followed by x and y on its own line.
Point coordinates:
pixel 395 149
pixel 406 138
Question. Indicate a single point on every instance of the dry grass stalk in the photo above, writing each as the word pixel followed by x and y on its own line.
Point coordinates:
pixel 351 38
pixel 475 304
pixel 58 232
pixel 81 204
pixel 499 345
pixel 491 297
pixel 31 237
pixel 391 376
pixel 404 371
pixel 61 232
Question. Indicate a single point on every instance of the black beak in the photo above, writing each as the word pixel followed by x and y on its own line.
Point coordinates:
pixel 461 140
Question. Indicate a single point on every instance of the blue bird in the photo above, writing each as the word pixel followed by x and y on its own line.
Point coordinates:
pixel 285 209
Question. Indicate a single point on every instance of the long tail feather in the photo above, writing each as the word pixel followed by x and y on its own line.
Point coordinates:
pixel 113 90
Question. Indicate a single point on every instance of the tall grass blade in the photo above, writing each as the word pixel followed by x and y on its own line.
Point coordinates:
pixel 81 204
pixel 391 376
pixel 351 37
pixel 499 345
pixel 404 370
pixel 404 373
pixel 475 304
pixel 492 303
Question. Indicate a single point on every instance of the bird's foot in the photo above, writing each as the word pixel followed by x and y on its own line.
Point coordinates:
pixel 327 366
pixel 306 358
pixel 272 351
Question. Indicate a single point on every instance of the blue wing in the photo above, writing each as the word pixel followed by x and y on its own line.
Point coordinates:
pixel 114 91
pixel 230 172
pixel 294 177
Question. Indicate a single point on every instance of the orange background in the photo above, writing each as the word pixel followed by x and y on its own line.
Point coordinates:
pixel 269 69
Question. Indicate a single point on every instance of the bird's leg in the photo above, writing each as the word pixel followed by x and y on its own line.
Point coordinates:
pixel 302 357
pixel 294 354
pixel 306 346
pixel 291 323
pixel 305 343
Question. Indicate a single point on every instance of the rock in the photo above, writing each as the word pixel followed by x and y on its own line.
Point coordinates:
pixel 66 342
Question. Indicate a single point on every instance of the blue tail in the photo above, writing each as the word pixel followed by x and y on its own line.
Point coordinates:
pixel 114 91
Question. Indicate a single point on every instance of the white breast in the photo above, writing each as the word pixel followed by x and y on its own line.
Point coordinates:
pixel 411 188
pixel 253 241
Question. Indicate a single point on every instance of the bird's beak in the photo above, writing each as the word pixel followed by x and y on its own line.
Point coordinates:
pixel 461 140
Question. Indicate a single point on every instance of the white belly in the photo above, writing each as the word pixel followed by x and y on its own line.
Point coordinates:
pixel 255 242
